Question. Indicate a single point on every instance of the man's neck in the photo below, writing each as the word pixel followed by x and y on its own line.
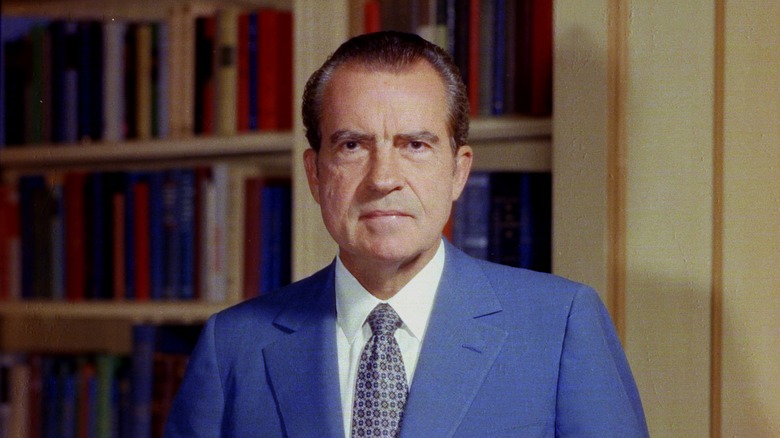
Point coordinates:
pixel 383 279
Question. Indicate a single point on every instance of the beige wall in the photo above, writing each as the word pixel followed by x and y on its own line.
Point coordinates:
pixel 667 167
pixel 751 222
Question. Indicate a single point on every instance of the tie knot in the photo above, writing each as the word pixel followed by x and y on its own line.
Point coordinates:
pixel 383 320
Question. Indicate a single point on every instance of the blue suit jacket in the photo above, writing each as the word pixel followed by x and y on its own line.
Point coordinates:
pixel 508 352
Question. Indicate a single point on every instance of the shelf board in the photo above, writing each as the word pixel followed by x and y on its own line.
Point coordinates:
pixel 484 131
pixel 492 129
pixel 119 9
pixel 146 150
pixel 152 311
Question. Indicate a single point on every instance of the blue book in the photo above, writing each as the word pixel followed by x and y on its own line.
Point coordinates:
pixel 157 234
pixel 96 235
pixel 185 201
pixel 471 220
pixel 144 339
pixel 50 403
pixel 68 403
pixel 499 58
pixel 171 238
pixel 504 241
pixel 535 221
pixel 90 80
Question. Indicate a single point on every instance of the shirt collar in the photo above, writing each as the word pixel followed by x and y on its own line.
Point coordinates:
pixel 413 302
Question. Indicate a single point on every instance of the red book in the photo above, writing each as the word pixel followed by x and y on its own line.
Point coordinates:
pixel 118 253
pixel 86 378
pixel 242 92
pixel 75 232
pixel 253 188
pixel 285 106
pixel 141 233
pixel 372 19
pixel 9 233
pixel 541 57
pixel 268 55
pixel 473 62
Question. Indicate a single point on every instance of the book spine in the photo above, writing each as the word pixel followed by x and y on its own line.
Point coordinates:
pixel 157 234
pixel 268 69
pixel 143 84
pixel 185 201
pixel 226 71
pixel 142 239
pixel 114 80
pixel 144 339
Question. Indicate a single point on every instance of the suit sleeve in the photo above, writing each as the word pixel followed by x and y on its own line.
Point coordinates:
pixel 597 395
pixel 199 404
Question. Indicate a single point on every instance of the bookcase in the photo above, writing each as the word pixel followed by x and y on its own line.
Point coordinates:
pixel 503 143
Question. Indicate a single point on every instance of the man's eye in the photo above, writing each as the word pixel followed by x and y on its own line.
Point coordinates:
pixel 416 145
pixel 351 145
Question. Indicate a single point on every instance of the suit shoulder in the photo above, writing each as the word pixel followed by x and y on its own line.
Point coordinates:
pixel 543 291
pixel 259 312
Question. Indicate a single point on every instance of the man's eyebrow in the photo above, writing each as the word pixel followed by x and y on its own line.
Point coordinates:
pixel 346 134
pixel 426 136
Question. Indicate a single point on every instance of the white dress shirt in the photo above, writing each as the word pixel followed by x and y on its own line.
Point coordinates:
pixel 413 303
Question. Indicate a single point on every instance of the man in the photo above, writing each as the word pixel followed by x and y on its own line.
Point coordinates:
pixel 473 349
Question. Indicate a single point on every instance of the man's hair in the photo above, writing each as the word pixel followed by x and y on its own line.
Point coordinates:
pixel 394 52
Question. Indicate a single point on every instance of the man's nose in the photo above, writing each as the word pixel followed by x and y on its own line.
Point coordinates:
pixel 384 173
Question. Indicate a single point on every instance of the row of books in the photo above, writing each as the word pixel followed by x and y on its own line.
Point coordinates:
pixel 219 233
pixel 502 47
pixel 506 217
pixel 73 81
pixel 96 395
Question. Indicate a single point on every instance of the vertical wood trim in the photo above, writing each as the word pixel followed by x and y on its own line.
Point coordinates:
pixel 716 308
pixel 616 162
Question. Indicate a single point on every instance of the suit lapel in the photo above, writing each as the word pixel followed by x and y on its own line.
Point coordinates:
pixel 457 352
pixel 302 366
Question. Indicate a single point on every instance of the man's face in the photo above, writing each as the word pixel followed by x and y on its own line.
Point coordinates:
pixel 386 176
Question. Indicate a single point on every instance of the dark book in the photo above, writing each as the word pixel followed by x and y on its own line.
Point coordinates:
pixel 90 80
pixel 205 29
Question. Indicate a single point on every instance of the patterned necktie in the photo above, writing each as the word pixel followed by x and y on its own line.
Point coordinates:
pixel 381 388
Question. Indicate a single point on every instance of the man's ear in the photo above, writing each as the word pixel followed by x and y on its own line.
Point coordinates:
pixel 312 176
pixel 463 160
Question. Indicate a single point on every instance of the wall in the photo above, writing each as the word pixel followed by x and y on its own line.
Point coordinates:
pixel 668 193
pixel 750 384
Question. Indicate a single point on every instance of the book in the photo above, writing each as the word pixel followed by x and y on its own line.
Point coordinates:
pixel 540 85
pixel 114 79
pixel 205 44
pixel 226 71
pixel 10 241
pixel 144 344
pixel 185 213
pixel 471 218
pixel 372 20
pixel 253 231
pixel 90 80
pixel 243 59
pixel 143 81
pixel 76 235
pixel 505 217
pixel 157 234
pixel 269 69
pixel 139 197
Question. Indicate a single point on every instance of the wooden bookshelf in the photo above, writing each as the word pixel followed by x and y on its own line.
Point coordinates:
pixel 501 143
pixel 157 312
